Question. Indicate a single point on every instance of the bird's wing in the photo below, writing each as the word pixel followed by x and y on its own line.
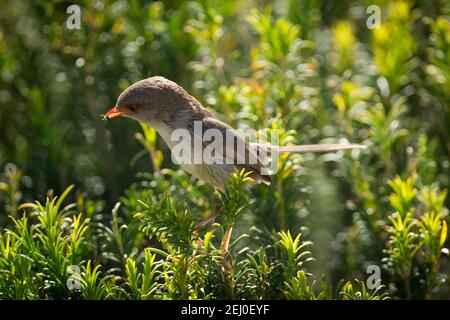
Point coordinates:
pixel 236 149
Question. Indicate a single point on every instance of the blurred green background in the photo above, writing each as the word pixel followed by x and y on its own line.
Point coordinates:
pixel 311 68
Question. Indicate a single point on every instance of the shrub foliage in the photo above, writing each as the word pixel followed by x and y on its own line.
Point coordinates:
pixel 312 70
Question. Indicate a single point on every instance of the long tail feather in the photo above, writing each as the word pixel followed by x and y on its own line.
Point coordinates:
pixel 316 147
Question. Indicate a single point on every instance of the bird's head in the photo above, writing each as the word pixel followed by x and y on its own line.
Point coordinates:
pixel 151 100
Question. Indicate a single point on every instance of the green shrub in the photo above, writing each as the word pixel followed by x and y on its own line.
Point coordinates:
pixel 310 70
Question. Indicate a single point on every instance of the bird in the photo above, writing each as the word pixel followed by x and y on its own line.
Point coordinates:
pixel 165 106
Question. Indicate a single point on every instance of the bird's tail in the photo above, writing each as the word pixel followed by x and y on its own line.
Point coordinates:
pixel 316 147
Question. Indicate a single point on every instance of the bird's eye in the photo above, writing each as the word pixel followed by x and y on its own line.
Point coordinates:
pixel 132 108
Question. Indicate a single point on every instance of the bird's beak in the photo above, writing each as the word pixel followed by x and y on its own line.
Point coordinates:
pixel 117 112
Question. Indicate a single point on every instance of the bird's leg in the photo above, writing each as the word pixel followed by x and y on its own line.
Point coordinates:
pixel 226 239
pixel 199 240
pixel 206 221
pixel 200 225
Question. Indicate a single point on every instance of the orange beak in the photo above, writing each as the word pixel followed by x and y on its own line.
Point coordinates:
pixel 117 112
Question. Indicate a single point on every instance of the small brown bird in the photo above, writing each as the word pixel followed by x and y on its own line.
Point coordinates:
pixel 167 107
pixel 170 110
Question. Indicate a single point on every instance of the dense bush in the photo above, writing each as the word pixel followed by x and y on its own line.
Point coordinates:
pixel 311 70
